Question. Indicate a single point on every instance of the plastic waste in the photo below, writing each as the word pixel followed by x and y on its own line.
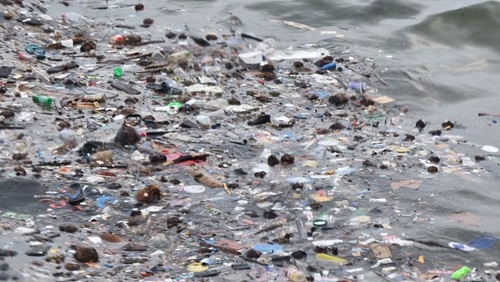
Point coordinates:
pixel 172 108
pixel 157 56
pixel 482 242
pixel 251 58
pixel 94 98
pixel 462 247
pixel 280 55
pixel 103 157
pixel 329 66
pixel 267 45
pixel 23 56
pixel 68 136
pixel 103 201
pixel 179 56
pixel 117 72
pixel 267 248
pixel 76 20
pixel 295 275
pixel 194 189
pixel 200 88
pixel 203 120
pixel 125 39
pixel 35 50
pixel 43 100
pixel 461 273
pixel 357 86
pixel 330 258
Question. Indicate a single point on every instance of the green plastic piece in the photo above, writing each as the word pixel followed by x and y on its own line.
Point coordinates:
pixel 461 273
pixel 175 104
pixel 118 72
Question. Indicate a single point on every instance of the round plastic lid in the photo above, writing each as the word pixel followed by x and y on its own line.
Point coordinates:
pixel 194 189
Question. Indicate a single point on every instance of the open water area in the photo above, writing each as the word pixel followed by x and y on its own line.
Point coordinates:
pixel 371 194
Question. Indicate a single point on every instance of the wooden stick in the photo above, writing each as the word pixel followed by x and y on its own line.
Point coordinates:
pixel 39 72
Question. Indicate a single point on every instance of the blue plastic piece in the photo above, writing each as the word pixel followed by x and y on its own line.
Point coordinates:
pixel 322 94
pixel 103 201
pixel 482 242
pixel 35 50
pixel 267 248
pixel 302 116
pixel 329 66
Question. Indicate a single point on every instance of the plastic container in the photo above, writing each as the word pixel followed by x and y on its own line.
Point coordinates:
pixel 293 274
pixel 43 100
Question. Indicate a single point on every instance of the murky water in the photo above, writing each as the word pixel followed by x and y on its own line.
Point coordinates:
pixel 440 57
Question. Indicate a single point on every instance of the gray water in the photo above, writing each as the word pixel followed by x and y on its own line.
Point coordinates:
pixel 439 57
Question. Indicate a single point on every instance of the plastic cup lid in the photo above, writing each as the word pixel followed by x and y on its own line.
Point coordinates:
pixel 194 189
pixel 319 222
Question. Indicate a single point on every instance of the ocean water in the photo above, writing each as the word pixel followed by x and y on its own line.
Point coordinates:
pixel 441 57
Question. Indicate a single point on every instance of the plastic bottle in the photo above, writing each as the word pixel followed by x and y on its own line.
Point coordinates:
pixel 44 100
pixel 293 274
pixel 125 39
pixel 179 56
